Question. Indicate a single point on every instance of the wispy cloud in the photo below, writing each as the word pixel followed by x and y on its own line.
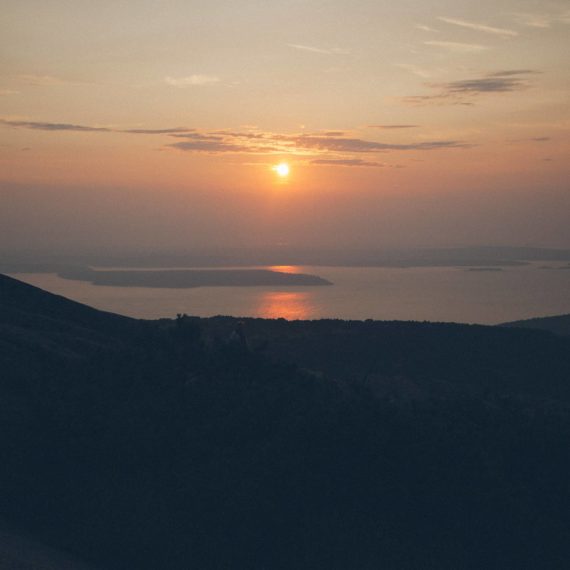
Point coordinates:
pixel 220 146
pixel 478 27
pixel 6 92
pixel 534 20
pixel 463 92
pixel 512 72
pixel 321 50
pixel 354 145
pixel 542 20
pixel 390 127
pixel 347 162
pixel 170 131
pixel 542 139
pixel 457 47
pixel 415 69
pixel 42 126
pixel 425 28
pixel 192 80
pixel 45 80
pixel 318 145
pixel 48 126
pixel 498 82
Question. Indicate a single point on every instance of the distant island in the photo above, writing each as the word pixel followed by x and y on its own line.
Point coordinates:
pixel 555 267
pixel 190 278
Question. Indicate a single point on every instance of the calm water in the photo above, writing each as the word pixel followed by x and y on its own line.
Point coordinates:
pixel 434 293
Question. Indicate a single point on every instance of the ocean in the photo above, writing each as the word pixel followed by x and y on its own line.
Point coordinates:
pixel 450 294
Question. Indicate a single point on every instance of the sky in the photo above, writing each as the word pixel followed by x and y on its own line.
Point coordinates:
pixel 159 124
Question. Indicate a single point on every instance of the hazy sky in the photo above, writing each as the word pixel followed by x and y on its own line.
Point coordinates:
pixel 158 123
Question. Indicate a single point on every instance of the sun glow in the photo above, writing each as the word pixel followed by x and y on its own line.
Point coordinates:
pixel 287 305
pixel 282 169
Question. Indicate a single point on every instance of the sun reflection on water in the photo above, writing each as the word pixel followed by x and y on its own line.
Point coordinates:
pixel 285 268
pixel 285 304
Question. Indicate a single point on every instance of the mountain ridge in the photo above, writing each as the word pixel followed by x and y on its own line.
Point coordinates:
pixel 557 324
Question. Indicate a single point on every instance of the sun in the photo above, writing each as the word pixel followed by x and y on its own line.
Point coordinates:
pixel 282 169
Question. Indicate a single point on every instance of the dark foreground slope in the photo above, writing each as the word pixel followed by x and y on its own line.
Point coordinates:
pixel 421 357
pixel 557 325
pixel 23 304
pixel 196 444
pixel 21 552
pixel 38 328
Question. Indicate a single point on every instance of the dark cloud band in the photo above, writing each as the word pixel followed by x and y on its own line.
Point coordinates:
pixel 465 91
pixel 222 142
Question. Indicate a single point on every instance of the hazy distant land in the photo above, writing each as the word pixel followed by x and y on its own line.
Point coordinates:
pixel 556 268
pixel 488 257
pixel 189 278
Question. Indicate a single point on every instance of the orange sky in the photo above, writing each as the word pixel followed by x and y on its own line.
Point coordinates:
pixel 429 111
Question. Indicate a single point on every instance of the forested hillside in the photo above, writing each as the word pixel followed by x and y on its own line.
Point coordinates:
pixel 226 444
pixel 557 325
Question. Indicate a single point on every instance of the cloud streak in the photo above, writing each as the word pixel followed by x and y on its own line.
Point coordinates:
pixel 347 162
pixel 45 80
pixel 48 126
pixel 465 91
pixel 323 51
pixel 415 69
pixel 544 20
pixel 315 143
pixel 220 147
pixel 392 127
pixel 318 145
pixel 457 47
pixel 478 27
pixel 174 130
pixel 192 80
pixel 425 28
pixel 42 126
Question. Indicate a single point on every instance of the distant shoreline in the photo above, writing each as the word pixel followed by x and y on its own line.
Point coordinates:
pixel 272 258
